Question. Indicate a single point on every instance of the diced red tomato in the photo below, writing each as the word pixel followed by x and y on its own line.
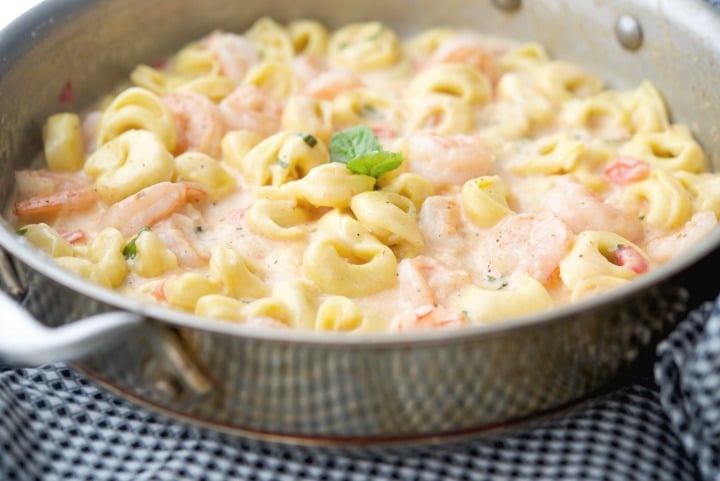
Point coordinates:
pixel 67 94
pixel 384 130
pixel 624 170
pixel 159 63
pixel 629 257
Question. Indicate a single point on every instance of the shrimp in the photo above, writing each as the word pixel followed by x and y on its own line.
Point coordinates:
pixel 582 209
pixel 440 220
pixel 426 285
pixel 533 244
pixel 329 85
pixel 662 249
pixel 45 193
pixel 177 233
pixel 467 51
pixel 31 183
pixel 251 108
pixel 235 54
pixel 150 205
pixel 448 159
pixel 71 200
pixel 198 122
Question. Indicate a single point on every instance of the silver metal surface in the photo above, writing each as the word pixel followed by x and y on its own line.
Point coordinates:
pixel 25 341
pixel 9 279
pixel 629 32
pixel 336 389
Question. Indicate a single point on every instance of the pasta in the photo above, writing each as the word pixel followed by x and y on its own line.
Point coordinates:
pixel 127 164
pixel 354 180
pixel 63 144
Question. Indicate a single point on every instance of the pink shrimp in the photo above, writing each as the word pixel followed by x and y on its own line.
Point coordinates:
pixel 235 54
pixel 533 244
pixel 662 249
pixel 467 51
pixel 150 205
pixel 71 200
pixel 582 209
pixel 198 122
pixel 31 183
pixel 46 193
pixel 448 159
pixel 329 85
pixel 177 233
pixel 251 108
pixel 426 285
pixel 440 221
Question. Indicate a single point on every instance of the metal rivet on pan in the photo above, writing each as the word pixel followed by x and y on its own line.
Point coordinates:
pixel 507 5
pixel 629 32
pixel 168 386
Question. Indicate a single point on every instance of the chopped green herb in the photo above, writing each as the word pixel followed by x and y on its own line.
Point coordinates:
pixel 130 250
pixel 465 314
pixel 370 112
pixel 22 231
pixel 309 140
pixel 361 151
pixel 282 163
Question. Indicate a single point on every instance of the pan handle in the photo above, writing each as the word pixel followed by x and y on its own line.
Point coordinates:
pixel 25 341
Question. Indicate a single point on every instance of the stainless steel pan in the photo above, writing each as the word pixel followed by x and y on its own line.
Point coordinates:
pixel 325 388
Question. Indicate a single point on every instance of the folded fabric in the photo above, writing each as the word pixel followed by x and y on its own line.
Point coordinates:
pixel 687 372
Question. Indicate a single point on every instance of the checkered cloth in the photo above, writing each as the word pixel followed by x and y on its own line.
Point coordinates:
pixel 57 425
pixel 687 373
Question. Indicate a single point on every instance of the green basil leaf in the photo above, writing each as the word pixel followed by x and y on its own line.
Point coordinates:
pixel 22 231
pixel 353 142
pixel 375 163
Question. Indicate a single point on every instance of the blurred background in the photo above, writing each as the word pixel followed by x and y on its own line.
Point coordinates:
pixel 11 9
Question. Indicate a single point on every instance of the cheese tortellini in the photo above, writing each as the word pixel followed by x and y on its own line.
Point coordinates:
pixel 127 164
pixel 137 109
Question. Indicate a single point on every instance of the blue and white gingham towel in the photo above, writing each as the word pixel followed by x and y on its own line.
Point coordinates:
pixel 56 425
pixel 687 372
